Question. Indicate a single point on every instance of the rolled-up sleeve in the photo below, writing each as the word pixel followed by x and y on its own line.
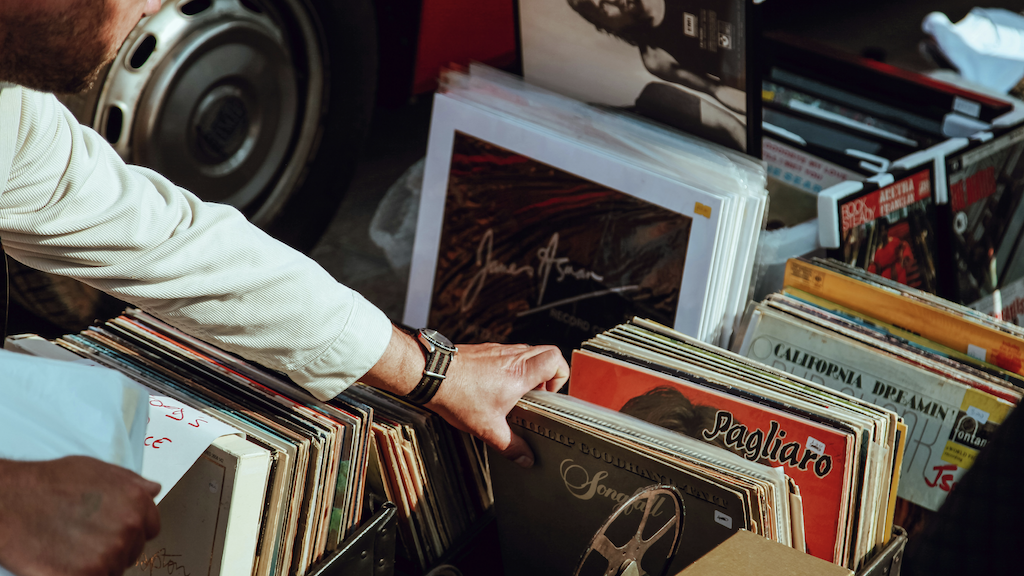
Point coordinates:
pixel 71 206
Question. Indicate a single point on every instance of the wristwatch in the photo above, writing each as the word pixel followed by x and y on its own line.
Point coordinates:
pixel 439 352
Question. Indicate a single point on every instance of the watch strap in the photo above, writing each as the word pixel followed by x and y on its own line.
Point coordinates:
pixel 433 375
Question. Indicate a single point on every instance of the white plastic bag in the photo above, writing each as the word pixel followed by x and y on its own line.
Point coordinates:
pixel 987 46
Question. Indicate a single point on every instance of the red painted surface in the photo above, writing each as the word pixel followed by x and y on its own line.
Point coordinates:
pixel 460 32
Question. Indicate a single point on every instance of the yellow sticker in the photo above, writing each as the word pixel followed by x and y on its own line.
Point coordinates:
pixel 959 454
pixel 702 210
pixel 984 407
pixel 767 95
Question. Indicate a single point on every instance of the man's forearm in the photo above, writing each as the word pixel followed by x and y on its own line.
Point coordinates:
pixel 72 207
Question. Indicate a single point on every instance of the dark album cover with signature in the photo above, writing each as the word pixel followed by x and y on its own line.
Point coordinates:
pixel 530 253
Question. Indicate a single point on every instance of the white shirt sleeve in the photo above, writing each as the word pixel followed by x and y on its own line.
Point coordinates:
pixel 70 206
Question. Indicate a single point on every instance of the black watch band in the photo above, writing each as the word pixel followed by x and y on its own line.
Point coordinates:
pixel 439 353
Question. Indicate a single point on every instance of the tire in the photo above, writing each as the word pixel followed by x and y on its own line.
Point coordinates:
pixel 351 89
pixel 281 145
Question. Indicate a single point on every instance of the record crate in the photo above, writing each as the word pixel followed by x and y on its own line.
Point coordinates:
pixel 480 555
pixel 369 551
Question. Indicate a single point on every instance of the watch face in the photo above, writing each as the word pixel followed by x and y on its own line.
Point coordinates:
pixel 437 339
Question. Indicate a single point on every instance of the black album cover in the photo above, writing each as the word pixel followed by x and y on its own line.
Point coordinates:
pixel 531 253
pixel 890 231
pixel 554 516
pixel 987 216
pixel 685 63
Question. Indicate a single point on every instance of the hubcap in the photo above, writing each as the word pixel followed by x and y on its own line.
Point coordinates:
pixel 223 97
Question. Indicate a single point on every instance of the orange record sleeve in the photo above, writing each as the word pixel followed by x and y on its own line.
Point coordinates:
pixel 817 457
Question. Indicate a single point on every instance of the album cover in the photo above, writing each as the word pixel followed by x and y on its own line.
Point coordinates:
pixel 887 230
pixel 527 237
pixel 550 515
pixel 941 445
pixel 681 62
pixel 863 511
pixel 530 253
pixel 986 216
pixel 816 456
pixel 960 328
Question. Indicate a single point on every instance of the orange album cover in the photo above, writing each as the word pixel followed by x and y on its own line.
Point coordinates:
pixel 817 457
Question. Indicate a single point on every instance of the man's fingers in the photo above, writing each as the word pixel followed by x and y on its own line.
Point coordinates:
pixel 152 521
pixel 132 551
pixel 151 488
pixel 547 366
pixel 519 451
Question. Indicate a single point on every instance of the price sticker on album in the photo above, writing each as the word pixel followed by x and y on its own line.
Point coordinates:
pixel 979 415
pixel 976 352
pixel 723 519
pixel 815 446
pixel 176 435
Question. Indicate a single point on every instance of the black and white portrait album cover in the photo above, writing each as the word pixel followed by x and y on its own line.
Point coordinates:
pixel 685 63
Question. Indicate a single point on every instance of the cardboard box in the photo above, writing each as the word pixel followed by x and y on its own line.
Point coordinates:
pixel 747 554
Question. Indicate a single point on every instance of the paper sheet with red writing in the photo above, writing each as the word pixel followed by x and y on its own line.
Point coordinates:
pixel 176 436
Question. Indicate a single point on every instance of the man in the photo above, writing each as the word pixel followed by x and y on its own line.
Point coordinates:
pixel 687 49
pixel 70 206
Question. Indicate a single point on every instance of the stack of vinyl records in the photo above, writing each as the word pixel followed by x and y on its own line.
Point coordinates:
pixel 841 453
pixel 545 220
pixel 911 177
pixel 300 475
pixel 831 117
pixel 951 372
pixel 609 492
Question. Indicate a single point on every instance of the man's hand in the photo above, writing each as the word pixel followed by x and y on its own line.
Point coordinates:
pixel 483 383
pixel 486 380
pixel 73 516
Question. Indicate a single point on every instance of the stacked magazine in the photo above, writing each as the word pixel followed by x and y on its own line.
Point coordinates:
pixel 842 453
pixel 951 372
pixel 545 220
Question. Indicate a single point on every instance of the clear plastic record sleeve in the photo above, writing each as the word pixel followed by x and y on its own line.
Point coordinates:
pixel 546 221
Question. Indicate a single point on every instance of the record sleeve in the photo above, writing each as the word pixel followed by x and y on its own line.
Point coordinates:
pixel 864 83
pixel 937 453
pixel 984 220
pixel 958 329
pixel 814 456
pixel 685 63
pixel 548 515
pixel 887 230
pixel 524 236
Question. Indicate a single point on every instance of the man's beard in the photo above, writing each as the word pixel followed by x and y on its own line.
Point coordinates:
pixel 61 53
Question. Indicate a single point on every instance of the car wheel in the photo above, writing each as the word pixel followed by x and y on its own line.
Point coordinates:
pixel 260 104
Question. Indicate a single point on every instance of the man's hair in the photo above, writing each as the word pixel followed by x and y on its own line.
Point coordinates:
pixel 632 34
pixel 882 226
